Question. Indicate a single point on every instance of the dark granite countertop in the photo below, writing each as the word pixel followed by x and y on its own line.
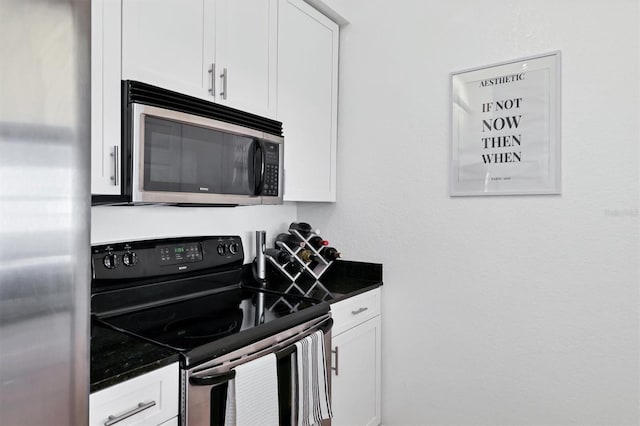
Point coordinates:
pixel 116 357
pixel 346 278
pixel 343 279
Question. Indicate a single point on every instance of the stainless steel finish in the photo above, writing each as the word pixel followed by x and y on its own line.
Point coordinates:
pixel 261 272
pixel 195 403
pixel 212 71
pixel 112 420
pixel 223 76
pixel 44 211
pixel 359 311
pixel 267 346
pixel 116 158
pixel 335 368
pixel 139 195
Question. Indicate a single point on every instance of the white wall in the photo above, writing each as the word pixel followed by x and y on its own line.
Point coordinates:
pixel 503 310
pixel 110 224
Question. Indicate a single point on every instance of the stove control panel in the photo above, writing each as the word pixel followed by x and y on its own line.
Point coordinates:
pixel 180 253
pixel 165 257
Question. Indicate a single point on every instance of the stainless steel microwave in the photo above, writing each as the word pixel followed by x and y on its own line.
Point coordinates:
pixel 183 150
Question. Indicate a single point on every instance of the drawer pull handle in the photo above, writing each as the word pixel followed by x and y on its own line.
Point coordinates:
pixel 359 311
pixel 111 420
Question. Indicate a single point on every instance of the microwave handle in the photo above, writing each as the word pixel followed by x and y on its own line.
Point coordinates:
pixel 258 166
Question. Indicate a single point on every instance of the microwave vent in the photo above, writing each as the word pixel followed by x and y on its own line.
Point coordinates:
pixel 142 93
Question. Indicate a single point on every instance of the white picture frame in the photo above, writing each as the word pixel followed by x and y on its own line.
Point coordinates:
pixel 505 128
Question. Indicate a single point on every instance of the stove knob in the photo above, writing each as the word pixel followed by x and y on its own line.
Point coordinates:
pixel 222 249
pixel 111 261
pixel 129 259
pixel 233 248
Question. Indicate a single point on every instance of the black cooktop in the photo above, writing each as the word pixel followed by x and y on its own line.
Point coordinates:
pixel 185 325
pixel 192 295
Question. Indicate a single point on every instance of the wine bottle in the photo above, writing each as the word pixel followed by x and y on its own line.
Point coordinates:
pixel 317 242
pixel 294 268
pixel 280 256
pixel 330 254
pixel 303 228
pixel 289 240
pixel 307 255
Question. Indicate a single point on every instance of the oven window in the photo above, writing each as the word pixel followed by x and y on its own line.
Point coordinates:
pixel 180 157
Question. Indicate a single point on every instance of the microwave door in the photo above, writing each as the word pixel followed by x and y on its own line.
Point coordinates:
pixel 191 159
pixel 181 158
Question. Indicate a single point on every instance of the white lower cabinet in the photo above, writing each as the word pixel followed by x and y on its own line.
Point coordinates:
pixel 355 378
pixel 150 399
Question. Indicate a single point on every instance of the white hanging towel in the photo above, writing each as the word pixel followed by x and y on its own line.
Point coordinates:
pixel 313 395
pixel 252 397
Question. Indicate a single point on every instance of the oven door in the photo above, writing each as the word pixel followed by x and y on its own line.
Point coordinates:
pixel 184 158
pixel 203 388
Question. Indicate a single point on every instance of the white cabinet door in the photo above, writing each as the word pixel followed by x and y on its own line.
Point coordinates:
pixel 245 48
pixel 217 50
pixel 163 43
pixel 355 387
pixel 307 100
pixel 105 97
pixel 147 400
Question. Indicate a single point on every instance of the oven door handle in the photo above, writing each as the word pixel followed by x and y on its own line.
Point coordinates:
pixel 215 379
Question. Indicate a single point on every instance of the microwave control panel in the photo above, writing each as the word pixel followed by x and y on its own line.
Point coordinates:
pixel 272 169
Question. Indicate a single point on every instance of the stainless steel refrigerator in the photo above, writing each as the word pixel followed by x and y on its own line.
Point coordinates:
pixel 44 211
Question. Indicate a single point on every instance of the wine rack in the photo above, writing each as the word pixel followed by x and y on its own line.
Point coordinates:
pixel 306 281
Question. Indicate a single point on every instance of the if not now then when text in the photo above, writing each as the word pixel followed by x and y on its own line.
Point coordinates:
pixel 499 124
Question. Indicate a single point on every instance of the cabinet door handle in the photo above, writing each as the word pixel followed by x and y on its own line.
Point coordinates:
pixel 116 157
pixel 223 76
pixel 111 420
pixel 212 71
pixel 359 311
pixel 335 368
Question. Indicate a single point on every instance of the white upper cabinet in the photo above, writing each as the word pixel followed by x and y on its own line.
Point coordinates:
pixel 163 44
pixel 105 97
pixel 246 54
pixel 218 50
pixel 307 100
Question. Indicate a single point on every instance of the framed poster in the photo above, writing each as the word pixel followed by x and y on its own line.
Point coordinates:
pixel 505 128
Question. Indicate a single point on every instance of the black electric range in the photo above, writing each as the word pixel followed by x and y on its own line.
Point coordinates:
pixel 193 295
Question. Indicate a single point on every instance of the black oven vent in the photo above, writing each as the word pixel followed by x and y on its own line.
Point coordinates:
pixel 142 93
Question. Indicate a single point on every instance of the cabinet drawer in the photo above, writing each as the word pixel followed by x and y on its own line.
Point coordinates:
pixel 149 399
pixel 355 310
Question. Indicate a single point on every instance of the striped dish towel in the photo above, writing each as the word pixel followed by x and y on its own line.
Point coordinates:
pixel 313 390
